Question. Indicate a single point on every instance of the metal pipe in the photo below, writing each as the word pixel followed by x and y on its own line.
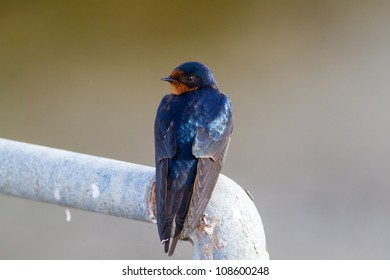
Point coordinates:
pixel 231 229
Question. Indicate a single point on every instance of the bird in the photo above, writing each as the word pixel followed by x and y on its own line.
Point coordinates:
pixel 192 131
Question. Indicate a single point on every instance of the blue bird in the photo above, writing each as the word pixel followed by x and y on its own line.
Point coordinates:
pixel 192 131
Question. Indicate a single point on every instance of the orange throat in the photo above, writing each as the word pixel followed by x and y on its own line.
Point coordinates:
pixel 178 88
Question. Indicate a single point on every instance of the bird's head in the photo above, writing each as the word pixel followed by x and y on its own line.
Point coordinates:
pixel 190 76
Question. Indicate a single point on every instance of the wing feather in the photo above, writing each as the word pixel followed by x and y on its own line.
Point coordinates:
pixel 211 154
pixel 165 148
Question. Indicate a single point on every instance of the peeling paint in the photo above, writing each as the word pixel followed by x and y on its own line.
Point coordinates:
pixel 68 215
pixel 57 195
pixel 95 190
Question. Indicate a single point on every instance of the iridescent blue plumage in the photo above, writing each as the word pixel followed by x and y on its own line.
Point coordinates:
pixel 192 131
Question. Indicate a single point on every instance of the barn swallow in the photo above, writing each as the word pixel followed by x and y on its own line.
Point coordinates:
pixel 192 131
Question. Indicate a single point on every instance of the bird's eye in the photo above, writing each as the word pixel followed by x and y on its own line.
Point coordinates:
pixel 190 78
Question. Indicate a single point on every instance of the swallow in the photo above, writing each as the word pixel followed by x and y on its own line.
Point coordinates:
pixel 192 130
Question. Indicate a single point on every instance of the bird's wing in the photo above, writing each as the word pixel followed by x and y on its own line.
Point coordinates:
pixel 165 148
pixel 165 142
pixel 211 154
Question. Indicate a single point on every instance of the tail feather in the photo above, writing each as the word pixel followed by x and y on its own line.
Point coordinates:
pixel 166 245
pixel 173 245
pixel 166 236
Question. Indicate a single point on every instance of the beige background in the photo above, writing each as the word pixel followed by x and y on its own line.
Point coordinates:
pixel 309 82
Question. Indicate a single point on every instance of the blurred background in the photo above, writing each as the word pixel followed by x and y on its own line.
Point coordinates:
pixel 309 82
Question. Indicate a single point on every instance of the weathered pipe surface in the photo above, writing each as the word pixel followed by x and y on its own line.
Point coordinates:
pixel 75 180
pixel 231 228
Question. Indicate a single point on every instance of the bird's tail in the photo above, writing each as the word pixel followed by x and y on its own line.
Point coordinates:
pixel 166 236
pixel 165 242
pixel 173 245
pixel 169 247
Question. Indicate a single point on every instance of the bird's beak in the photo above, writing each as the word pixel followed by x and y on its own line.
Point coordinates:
pixel 168 79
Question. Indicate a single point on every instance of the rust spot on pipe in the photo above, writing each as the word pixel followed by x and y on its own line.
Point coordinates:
pixel 152 202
